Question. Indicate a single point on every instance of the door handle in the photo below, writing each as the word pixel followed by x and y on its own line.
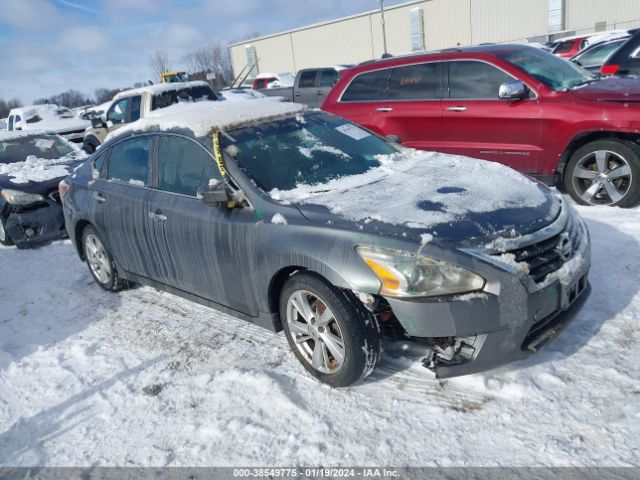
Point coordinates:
pixel 98 197
pixel 320 92
pixel 297 94
pixel 384 109
pixel 157 216
pixel 457 109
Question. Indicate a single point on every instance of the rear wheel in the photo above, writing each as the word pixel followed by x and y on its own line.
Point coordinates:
pixel 334 337
pixel 605 172
pixel 5 239
pixel 88 147
pixel 100 262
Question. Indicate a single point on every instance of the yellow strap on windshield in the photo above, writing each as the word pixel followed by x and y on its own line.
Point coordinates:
pixel 217 153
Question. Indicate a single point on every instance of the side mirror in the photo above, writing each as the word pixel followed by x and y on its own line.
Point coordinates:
pixel 513 90
pixel 394 139
pixel 97 122
pixel 216 195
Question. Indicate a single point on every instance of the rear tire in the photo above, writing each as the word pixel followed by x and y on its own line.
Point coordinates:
pixel 100 261
pixel 337 340
pixel 604 172
pixel 5 239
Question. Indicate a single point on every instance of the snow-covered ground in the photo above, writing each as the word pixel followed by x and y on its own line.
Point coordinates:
pixel 145 378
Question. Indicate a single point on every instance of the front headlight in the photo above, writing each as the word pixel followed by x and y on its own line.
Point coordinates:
pixel 15 197
pixel 404 274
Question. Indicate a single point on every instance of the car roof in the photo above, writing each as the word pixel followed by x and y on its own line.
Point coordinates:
pixel 160 88
pixel 203 117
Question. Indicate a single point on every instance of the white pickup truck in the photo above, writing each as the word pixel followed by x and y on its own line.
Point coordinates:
pixel 130 105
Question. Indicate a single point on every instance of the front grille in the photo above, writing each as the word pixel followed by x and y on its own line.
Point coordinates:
pixel 546 257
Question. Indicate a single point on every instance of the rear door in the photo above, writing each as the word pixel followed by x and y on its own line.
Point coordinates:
pixel 326 79
pixel 306 90
pixel 196 246
pixel 478 124
pixel 411 108
pixel 120 199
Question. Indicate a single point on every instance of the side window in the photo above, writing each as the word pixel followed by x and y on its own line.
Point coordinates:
pixel 415 82
pixel 98 164
pixel 475 80
pixel 328 78
pixel 135 108
pixel 563 47
pixel 367 87
pixel 184 166
pixel 307 79
pixel 129 161
pixel 118 111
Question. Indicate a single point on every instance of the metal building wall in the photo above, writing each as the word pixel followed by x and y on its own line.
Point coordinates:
pixel 582 15
pixel 507 20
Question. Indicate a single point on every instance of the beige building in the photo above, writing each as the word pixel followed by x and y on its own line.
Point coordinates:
pixel 430 25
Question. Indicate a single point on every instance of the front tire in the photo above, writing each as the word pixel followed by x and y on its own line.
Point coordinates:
pixel 605 172
pixel 335 338
pixel 101 264
pixel 5 239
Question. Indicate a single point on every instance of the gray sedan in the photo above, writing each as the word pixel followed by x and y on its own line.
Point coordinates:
pixel 301 221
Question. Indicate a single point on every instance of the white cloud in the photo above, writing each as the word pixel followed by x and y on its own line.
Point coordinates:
pixel 28 15
pixel 84 39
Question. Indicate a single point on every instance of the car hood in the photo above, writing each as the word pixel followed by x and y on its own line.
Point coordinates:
pixel 425 196
pixel 37 175
pixel 610 90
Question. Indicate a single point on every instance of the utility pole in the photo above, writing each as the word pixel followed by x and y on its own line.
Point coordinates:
pixel 384 31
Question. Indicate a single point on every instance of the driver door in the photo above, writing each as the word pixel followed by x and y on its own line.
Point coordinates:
pixel 123 111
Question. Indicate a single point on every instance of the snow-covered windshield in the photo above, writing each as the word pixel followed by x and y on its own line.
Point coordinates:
pixel 42 146
pixel 549 69
pixel 310 148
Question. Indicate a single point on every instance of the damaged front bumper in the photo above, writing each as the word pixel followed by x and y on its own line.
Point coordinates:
pixel 510 320
pixel 35 224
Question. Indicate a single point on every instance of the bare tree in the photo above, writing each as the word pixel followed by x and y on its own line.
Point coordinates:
pixel 7 105
pixel 70 98
pixel 212 60
pixel 159 62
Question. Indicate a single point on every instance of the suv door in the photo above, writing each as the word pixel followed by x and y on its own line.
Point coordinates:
pixel 195 245
pixel 476 123
pixel 306 90
pixel 123 111
pixel 411 108
pixel 120 196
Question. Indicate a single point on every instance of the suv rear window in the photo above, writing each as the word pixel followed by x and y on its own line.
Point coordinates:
pixel 190 94
pixel 368 86
pixel 415 82
pixel 475 80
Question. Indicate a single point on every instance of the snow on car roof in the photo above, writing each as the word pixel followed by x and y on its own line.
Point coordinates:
pixel 160 88
pixel 7 136
pixel 203 117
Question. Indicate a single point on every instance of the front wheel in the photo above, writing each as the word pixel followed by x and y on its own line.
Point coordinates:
pixel 334 337
pixel 605 172
pixel 100 262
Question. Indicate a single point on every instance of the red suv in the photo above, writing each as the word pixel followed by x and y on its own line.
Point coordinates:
pixel 512 104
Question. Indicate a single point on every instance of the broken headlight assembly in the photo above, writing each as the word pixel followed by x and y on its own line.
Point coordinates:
pixel 405 274
pixel 16 197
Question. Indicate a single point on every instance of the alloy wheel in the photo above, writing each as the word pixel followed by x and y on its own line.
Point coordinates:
pixel 97 258
pixel 315 332
pixel 602 177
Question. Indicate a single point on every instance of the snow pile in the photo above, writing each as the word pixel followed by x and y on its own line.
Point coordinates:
pixel 202 117
pixel 158 88
pixel 35 169
pixel 278 219
pixel 422 188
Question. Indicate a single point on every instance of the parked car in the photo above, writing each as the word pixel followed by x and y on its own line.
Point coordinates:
pixel 310 87
pixel 302 221
pixel 31 166
pixel 625 61
pixel 592 58
pixel 268 80
pixel 130 105
pixel 568 47
pixel 511 104
pixel 47 118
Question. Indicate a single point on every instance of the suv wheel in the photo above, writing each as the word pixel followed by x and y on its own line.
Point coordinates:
pixel 100 262
pixel 334 337
pixel 5 239
pixel 605 172
pixel 88 147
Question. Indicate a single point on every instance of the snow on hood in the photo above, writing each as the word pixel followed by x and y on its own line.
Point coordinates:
pixel 421 189
pixel 35 169
pixel 202 117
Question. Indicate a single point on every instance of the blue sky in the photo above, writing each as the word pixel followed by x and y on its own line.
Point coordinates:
pixel 49 46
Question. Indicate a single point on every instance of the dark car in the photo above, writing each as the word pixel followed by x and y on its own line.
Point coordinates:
pixel 626 60
pixel 511 104
pixel 31 166
pixel 300 220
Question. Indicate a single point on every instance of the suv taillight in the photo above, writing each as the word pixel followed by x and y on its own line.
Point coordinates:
pixel 609 69
pixel 63 188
